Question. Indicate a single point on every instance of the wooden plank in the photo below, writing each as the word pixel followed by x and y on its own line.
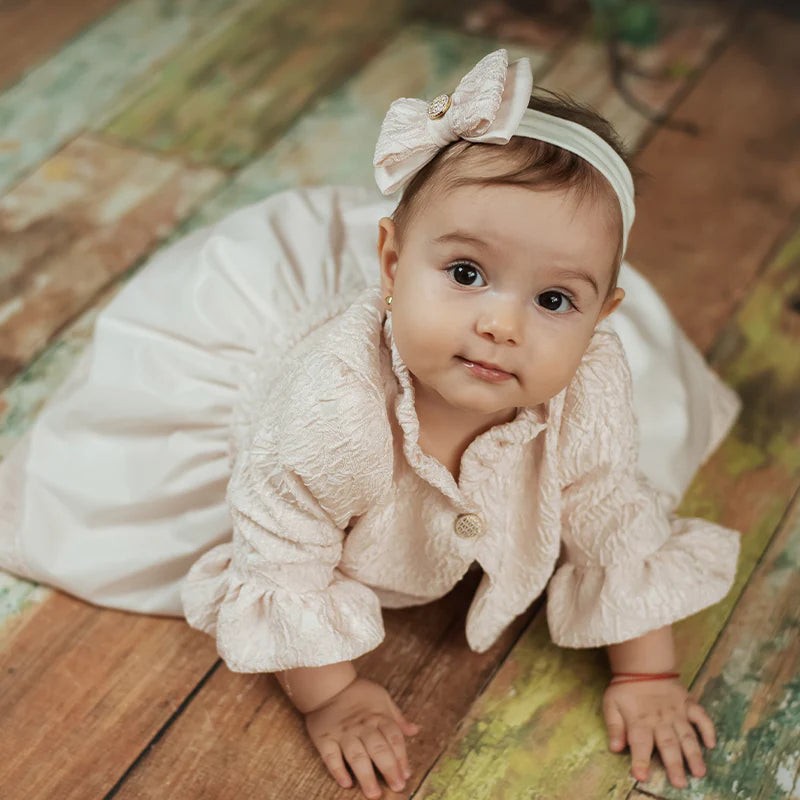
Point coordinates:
pixel 334 141
pixel 736 184
pixel 84 691
pixel 691 34
pixel 80 220
pixel 226 101
pixel 61 97
pixel 539 724
pixel 26 41
pixel 751 686
pixel 216 747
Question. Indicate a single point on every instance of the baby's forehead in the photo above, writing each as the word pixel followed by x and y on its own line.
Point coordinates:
pixel 478 194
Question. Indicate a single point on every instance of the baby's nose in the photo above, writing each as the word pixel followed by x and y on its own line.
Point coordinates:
pixel 502 321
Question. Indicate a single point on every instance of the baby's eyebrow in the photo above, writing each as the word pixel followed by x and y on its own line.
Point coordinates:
pixel 461 236
pixel 580 275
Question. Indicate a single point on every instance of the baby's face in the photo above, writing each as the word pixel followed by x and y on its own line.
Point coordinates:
pixel 484 276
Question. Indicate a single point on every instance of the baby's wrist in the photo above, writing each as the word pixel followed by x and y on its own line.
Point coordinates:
pixel 635 677
pixel 310 688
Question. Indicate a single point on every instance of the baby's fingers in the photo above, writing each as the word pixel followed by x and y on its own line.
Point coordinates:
pixel 640 738
pixel 698 716
pixel 691 748
pixel 356 755
pixel 383 754
pixel 407 727
pixel 332 758
pixel 671 756
pixel 615 724
pixel 396 739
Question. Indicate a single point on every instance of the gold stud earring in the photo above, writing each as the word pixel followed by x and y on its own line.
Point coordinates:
pixel 388 299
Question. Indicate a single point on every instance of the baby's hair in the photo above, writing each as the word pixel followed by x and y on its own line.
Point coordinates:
pixel 532 163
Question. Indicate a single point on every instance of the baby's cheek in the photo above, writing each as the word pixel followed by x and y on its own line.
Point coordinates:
pixel 545 379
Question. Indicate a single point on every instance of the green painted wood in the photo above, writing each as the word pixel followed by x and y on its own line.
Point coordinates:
pixel 538 726
pixel 334 141
pixel 15 596
pixel 751 686
pixel 76 86
pixel 226 100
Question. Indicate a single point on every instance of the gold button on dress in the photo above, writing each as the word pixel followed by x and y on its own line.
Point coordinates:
pixel 468 526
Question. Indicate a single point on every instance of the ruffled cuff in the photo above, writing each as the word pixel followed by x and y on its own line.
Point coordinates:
pixel 592 606
pixel 262 629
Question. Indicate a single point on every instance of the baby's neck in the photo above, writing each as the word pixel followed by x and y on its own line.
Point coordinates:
pixel 446 432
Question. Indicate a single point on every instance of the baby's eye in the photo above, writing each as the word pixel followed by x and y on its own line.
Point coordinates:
pixel 464 274
pixel 553 301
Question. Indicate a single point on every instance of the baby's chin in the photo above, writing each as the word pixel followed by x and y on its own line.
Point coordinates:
pixel 483 406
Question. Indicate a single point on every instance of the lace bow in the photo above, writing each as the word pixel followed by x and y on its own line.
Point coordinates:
pixel 486 106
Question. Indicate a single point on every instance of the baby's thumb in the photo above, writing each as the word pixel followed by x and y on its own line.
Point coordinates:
pixel 407 727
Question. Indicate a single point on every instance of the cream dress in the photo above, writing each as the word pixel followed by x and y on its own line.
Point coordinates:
pixel 119 486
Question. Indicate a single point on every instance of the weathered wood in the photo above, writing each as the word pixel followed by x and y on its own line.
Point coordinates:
pixel 26 42
pixel 328 143
pixel 424 663
pixel 226 101
pixel 538 725
pixel 692 33
pixel 84 691
pixel 333 142
pixel 243 693
pixel 736 184
pixel 751 686
pixel 80 220
pixel 61 97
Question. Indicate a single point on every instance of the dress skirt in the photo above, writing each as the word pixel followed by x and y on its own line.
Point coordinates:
pixel 119 485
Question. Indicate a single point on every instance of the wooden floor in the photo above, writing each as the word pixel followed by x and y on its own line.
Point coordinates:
pixel 123 124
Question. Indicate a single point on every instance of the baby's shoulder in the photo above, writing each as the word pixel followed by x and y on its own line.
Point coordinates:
pixel 598 409
pixel 337 351
pixel 325 390
pixel 603 372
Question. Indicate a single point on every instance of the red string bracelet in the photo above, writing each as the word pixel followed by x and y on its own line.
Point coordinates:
pixel 629 677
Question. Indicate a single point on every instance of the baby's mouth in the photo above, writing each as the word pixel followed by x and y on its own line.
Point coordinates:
pixel 485 369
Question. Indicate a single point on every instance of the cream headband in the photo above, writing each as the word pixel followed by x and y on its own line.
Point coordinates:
pixel 490 105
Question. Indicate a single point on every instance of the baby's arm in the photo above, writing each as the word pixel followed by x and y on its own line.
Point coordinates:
pixel 656 713
pixel 351 718
pixel 629 566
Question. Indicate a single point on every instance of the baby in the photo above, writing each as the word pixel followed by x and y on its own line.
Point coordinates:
pixel 474 410
pixel 469 410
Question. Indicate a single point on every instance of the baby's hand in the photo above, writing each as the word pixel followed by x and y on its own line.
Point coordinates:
pixel 362 724
pixel 659 710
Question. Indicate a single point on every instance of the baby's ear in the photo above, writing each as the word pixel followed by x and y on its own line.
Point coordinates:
pixel 387 252
pixel 611 304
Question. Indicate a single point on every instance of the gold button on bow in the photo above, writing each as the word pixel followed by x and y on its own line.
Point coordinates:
pixel 438 106
pixel 468 526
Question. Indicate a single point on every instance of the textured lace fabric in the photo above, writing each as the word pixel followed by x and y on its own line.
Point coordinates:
pixel 337 511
